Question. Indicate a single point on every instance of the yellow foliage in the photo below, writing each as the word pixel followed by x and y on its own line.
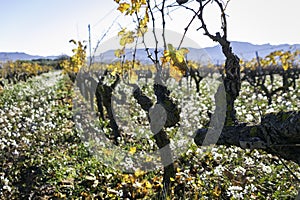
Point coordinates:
pixel 279 58
pixel 77 60
pixel 128 178
pixel 129 8
pixel 119 52
pixel 217 191
pixel 133 77
pixel 132 150
pixel 123 7
pixel 176 73
pixel 172 179
pixel 139 172
pixel 127 37
pixel 193 64
pixel 148 185
pixel 176 59
pixel 143 24
pixel 27 67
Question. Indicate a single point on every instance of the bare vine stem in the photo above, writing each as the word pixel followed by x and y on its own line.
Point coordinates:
pixel 103 36
pixel 163 23
pixel 188 26
pixel 156 62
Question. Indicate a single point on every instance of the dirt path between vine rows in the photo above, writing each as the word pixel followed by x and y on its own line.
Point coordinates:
pixel 49 79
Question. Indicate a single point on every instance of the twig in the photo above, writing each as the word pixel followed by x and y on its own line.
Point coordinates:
pixel 187 27
pixel 156 61
pixel 163 24
pixel 103 36
pixel 293 174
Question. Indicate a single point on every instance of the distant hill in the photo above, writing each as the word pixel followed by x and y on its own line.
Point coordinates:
pixel 13 56
pixel 244 50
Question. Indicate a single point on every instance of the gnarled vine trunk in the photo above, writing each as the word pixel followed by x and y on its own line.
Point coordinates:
pixel 161 138
pixel 278 134
pixel 232 82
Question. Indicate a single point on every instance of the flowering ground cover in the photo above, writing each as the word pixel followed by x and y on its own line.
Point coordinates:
pixel 43 157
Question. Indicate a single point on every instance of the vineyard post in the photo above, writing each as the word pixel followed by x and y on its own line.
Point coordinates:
pixel 90 45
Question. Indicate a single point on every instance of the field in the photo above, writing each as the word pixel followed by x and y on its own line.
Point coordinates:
pixel 44 156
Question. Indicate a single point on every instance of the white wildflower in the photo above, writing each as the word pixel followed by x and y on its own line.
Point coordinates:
pixel 249 161
pixel 15 152
pixel 240 169
pixel 6 187
pixel 249 117
pixel 219 170
pixel 235 192
pixel 266 168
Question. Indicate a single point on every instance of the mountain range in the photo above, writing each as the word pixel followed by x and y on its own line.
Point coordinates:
pixel 13 56
pixel 243 50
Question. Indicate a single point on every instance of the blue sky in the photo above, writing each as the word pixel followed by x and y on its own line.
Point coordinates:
pixel 44 27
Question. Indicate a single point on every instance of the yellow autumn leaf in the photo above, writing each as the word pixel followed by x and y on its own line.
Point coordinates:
pixel 148 159
pixel 143 25
pixel 176 72
pixel 148 185
pixel 193 65
pixel 133 77
pixel 119 52
pixel 132 150
pixel 180 54
pixel 167 54
pixel 110 67
pixel 76 69
pixel 128 178
pixel 165 59
pixel 136 5
pixel 115 71
pixel 177 56
pixel 122 32
pixel 171 52
pixel 171 48
pixel 139 172
pixel 127 38
pixel 172 179
pixel 217 191
pixel 145 20
pixel 285 66
pixel 123 7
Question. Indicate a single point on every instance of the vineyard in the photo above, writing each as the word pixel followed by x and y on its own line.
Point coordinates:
pixel 81 128
pixel 14 72
pixel 44 155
